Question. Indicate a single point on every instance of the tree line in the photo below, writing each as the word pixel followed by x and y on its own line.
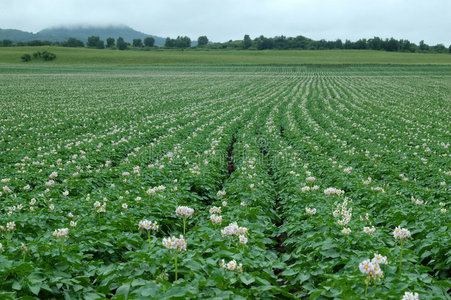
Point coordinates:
pixel 258 43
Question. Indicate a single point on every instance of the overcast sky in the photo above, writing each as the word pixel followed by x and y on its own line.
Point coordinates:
pixel 222 20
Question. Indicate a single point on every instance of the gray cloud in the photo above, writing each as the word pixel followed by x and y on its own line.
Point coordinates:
pixel 222 20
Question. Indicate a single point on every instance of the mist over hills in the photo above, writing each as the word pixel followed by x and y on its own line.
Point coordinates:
pixel 62 33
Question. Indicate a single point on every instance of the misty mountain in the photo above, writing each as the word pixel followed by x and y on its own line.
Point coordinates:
pixel 62 33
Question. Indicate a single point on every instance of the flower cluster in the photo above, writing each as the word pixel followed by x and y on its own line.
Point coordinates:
pixel 216 219
pixel 410 296
pixel 174 243
pixel 184 211
pixel 61 233
pixel 10 226
pixel 310 179
pixel 309 211
pixel 306 188
pixel 233 230
pixel 155 189
pixel 220 194
pixel 401 233
pixel 215 209
pixel 369 230
pixel 343 211
pixel 333 191
pixel 372 267
pixel 346 231
pixel 148 225
pixel 100 208
pixel 231 265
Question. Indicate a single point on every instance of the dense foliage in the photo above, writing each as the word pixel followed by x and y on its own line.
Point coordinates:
pixel 100 167
pixel 259 43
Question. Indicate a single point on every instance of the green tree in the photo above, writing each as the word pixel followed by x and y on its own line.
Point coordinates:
pixel 202 41
pixel 110 42
pixel 449 49
pixel 137 43
pixel 149 41
pixel 100 44
pixel 182 42
pixel 264 43
pixel 247 42
pixel 375 43
pixel 424 46
pixel 26 57
pixel 73 42
pixel 7 43
pixel 92 41
pixel 121 45
pixel 170 43
pixel 439 48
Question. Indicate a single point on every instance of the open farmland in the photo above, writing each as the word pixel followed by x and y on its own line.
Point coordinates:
pixel 302 158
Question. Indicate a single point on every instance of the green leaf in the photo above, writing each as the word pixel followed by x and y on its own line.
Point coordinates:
pixel 247 279
pixel 17 286
pixel 177 291
pixel 123 289
pixel 35 288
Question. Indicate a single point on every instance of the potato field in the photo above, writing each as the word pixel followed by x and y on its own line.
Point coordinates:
pixel 253 182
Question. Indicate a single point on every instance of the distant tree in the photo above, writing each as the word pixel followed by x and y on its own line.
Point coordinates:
pixel 375 43
pixel 37 43
pixel 92 41
pixel 338 44
pixel 299 42
pixel 182 42
pixel 439 48
pixel 7 43
pixel 423 46
pixel 202 41
pixel 73 42
pixel 405 46
pixel 280 42
pixel 347 45
pixel 391 44
pixel 137 43
pixel 449 49
pixel 149 41
pixel 264 43
pixel 110 42
pixel 47 56
pixel 179 42
pixel 360 44
pixel 100 44
pixel 247 42
pixel 121 45
pixel 169 42
pixel 25 57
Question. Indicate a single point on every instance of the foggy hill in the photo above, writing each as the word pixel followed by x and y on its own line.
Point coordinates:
pixel 62 33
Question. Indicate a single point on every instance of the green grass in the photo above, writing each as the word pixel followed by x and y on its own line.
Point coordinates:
pixel 84 56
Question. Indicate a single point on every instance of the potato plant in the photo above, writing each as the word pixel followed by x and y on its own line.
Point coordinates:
pixel 225 182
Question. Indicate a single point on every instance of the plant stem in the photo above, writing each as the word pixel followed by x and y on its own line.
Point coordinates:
pixel 184 226
pixel 400 258
pixel 175 260
pixel 24 254
pixel 62 245
pixel 366 289
pixel 148 237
